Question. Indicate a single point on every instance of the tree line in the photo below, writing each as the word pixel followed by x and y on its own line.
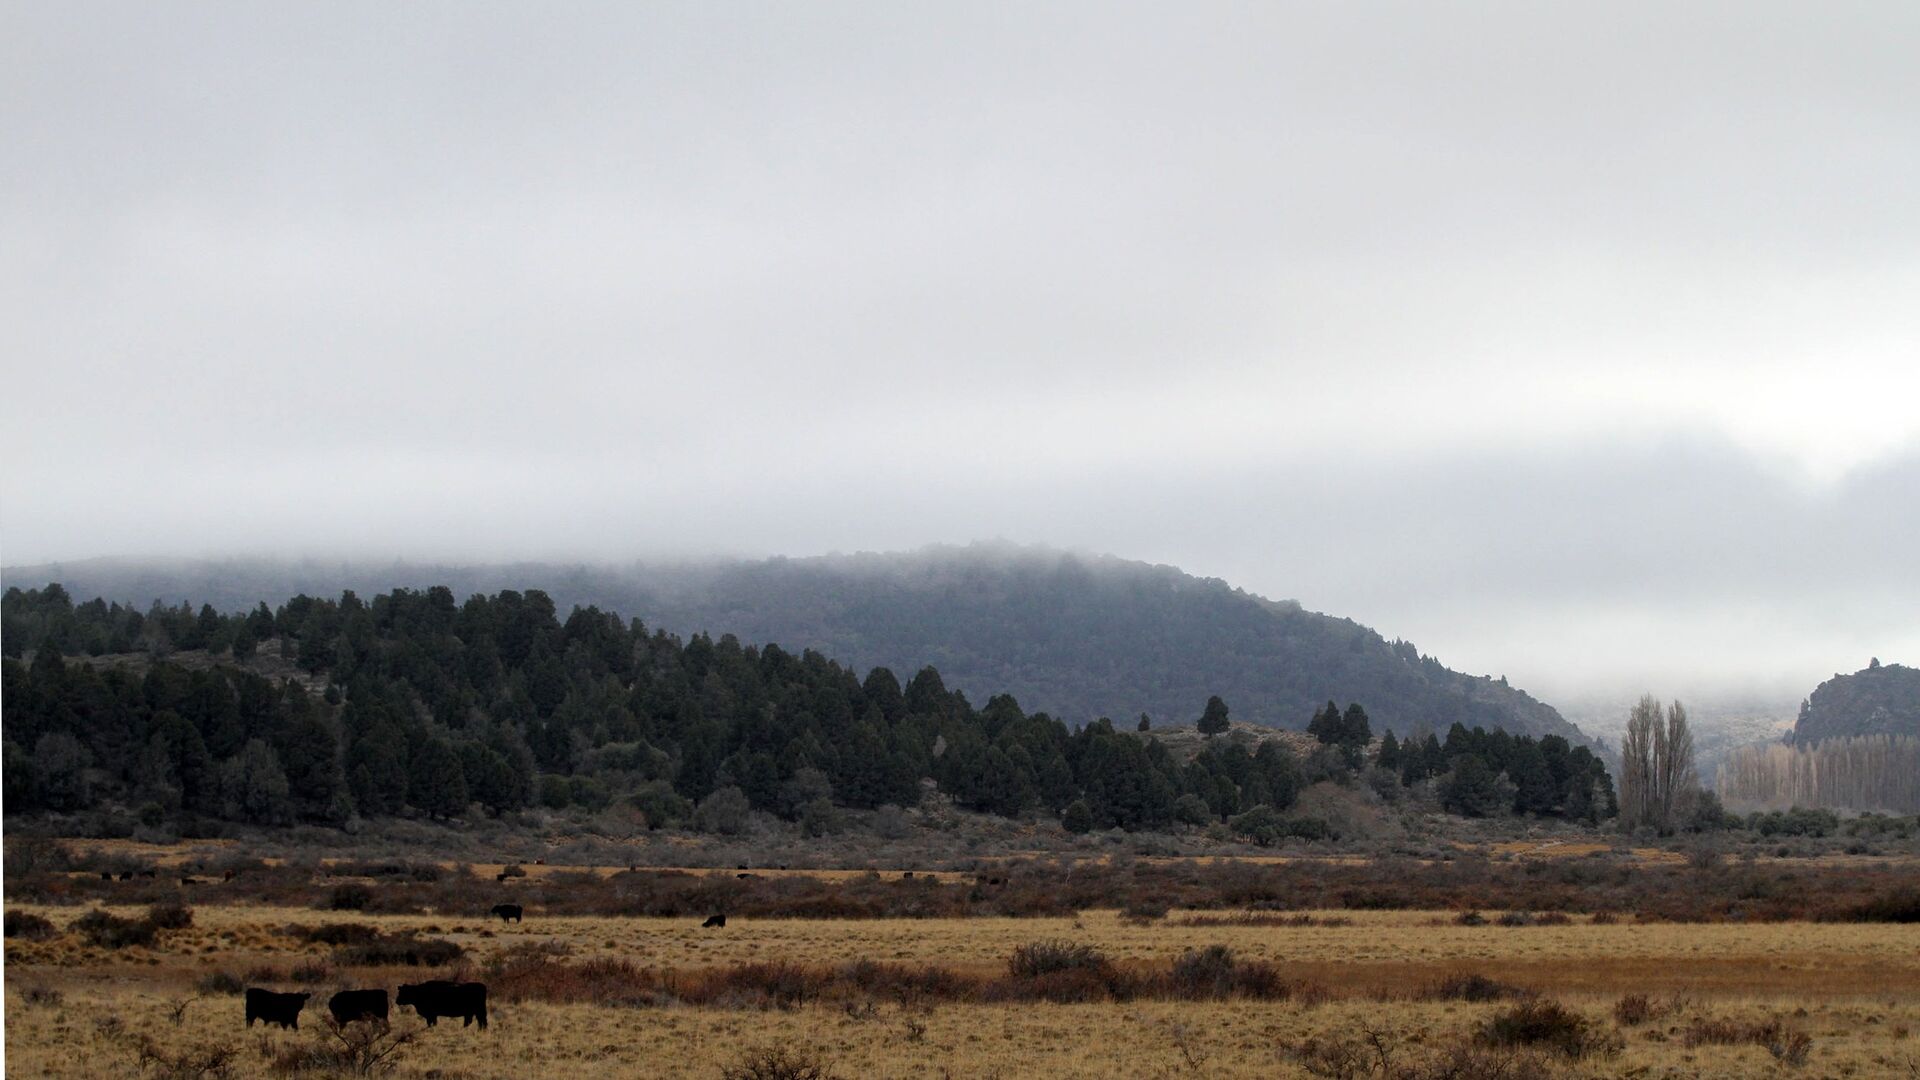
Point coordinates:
pixel 1863 772
pixel 424 704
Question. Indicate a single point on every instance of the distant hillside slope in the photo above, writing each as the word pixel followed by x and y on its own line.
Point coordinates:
pixel 1880 699
pixel 1075 636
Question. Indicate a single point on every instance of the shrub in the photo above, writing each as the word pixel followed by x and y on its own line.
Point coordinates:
pixel 220 982
pixel 407 949
pixel 1470 987
pixel 1204 973
pixel 350 897
pixel 170 915
pixel 1899 906
pixel 1470 918
pixel 1787 1045
pixel 1515 918
pixel 25 924
pixel 112 932
pixel 335 933
pixel 1046 957
pixel 776 1063
pixel 1632 1010
pixel 44 996
pixel 1547 1024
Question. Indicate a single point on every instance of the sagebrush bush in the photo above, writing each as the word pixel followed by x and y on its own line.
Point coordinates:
pixel 1547 1024
pixel 407 949
pixel 1047 957
pixel 776 1063
pixel 170 915
pixel 1469 987
pixel 27 925
pixel 109 931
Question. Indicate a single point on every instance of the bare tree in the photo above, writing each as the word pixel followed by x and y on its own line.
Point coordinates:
pixel 1636 764
pixel 1657 785
pixel 1674 780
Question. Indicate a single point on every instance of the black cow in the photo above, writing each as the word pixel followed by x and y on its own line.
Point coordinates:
pixel 106 875
pixel 282 1009
pixel 126 875
pixel 350 1005
pixel 502 877
pixel 714 920
pixel 189 881
pixel 149 873
pixel 748 877
pixel 507 912
pixel 438 998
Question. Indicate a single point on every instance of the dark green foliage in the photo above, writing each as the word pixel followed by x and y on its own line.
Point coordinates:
pixel 434 707
pixel 1077 818
pixel 1073 636
pixel 1214 720
pixel 1472 788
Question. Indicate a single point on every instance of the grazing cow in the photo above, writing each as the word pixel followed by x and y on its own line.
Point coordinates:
pixel 106 875
pixel 748 877
pixel 438 998
pixel 908 876
pixel 714 920
pixel 282 1009
pixel 350 1005
pixel 742 866
pixel 189 881
pixel 502 877
pixel 507 912
pixel 126 875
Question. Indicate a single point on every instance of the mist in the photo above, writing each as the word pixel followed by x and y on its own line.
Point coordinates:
pixel 1576 346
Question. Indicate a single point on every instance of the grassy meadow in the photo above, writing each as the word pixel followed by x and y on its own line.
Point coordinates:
pixel 1130 989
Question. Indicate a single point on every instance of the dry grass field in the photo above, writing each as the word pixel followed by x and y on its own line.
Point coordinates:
pixel 1415 993
pixel 76 1010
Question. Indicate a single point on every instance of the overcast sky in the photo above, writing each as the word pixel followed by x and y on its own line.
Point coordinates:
pixel 1577 343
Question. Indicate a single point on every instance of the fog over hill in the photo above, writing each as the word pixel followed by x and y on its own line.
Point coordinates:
pixel 1075 635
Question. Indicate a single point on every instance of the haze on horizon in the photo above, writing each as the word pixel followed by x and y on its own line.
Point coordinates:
pixel 1577 346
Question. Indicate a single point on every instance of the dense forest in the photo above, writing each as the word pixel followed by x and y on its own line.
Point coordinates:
pixel 413 702
pixel 1074 636
pixel 1863 772
pixel 1879 699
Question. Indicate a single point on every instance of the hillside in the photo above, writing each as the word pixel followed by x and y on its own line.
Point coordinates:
pixel 1074 636
pixel 1880 699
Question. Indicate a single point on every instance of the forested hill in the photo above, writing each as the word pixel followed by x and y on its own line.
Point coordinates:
pixel 1075 636
pixel 1880 699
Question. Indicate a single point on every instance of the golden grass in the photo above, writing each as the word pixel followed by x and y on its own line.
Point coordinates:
pixel 1854 988
pixel 1135 1040
pixel 1375 952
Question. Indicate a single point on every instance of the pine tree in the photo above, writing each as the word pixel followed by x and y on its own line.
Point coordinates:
pixel 1077 818
pixel 1214 720
pixel 439 784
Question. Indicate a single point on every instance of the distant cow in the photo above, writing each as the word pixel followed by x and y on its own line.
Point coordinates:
pixel 507 912
pixel 438 998
pixel 748 877
pixel 908 876
pixel 502 876
pixel 126 875
pixel 282 1009
pixel 228 876
pixel 189 881
pixel 714 920
pixel 350 1005
pixel 149 873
